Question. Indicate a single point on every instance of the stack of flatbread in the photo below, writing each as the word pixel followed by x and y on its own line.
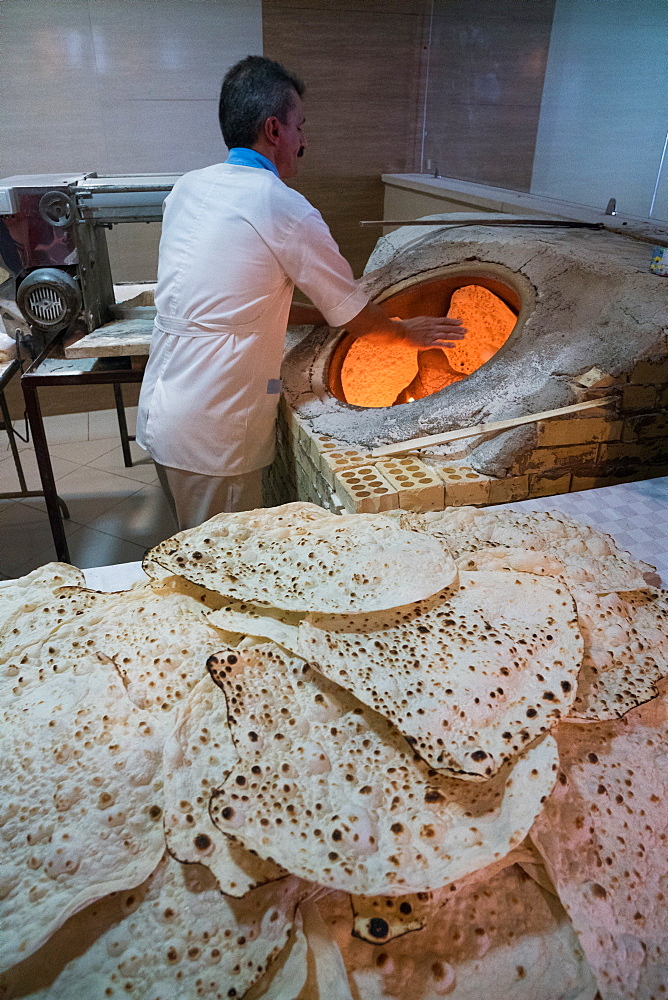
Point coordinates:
pixel 385 756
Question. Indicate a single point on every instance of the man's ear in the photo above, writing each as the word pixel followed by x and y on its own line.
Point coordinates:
pixel 272 130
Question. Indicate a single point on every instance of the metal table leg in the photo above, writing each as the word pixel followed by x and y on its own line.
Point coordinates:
pixel 46 471
pixel 122 425
pixel 6 420
pixel 28 494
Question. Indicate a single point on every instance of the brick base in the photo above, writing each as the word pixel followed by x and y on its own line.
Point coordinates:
pixel 592 452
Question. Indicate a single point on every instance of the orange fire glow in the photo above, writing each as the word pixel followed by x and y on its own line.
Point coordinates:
pixel 373 375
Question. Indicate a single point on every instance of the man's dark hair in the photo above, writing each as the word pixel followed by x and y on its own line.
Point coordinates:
pixel 253 90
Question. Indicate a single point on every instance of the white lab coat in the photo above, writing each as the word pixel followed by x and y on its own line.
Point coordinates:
pixel 235 241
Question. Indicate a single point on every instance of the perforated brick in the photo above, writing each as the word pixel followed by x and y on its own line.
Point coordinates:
pixel 365 490
pixel 321 443
pixel 333 461
pixel 463 485
pixel 418 486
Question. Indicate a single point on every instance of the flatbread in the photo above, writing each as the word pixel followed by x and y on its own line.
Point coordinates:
pixel 327 976
pixel 206 600
pixel 81 792
pixel 470 676
pixel 379 919
pixel 35 605
pixel 26 592
pixel 309 560
pixel 328 789
pixel 61 641
pixel 298 514
pixel 154 571
pixel 541 543
pixel 505 939
pixel 625 651
pixel 159 637
pixel 603 837
pixel 287 975
pixel 196 754
pixel 172 937
pixel 532 863
pixel 282 627
pixel 38 627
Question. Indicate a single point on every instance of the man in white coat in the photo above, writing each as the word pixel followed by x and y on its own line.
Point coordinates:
pixel 235 241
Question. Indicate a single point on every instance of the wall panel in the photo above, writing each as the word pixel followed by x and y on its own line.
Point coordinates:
pixel 487 66
pixel 362 62
pixel 118 86
pixel 604 116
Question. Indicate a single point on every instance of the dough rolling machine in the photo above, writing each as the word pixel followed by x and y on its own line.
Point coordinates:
pixel 53 244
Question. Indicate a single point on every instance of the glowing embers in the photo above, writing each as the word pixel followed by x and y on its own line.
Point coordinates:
pixel 383 375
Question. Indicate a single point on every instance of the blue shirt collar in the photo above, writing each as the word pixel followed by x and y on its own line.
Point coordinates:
pixel 241 156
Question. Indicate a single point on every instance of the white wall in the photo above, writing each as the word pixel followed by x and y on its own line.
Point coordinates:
pixel 604 113
pixel 118 86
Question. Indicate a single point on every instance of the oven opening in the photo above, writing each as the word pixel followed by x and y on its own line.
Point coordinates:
pixel 371 375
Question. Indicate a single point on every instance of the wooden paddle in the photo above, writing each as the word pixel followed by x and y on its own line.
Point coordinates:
pixel 417 444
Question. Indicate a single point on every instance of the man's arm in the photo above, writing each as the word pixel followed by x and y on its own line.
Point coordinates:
pixel 313 261
pixel 372 323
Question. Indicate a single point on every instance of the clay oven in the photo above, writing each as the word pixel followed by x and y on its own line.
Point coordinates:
pixel 556 316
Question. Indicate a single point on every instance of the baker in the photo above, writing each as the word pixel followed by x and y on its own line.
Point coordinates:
pixel 235 241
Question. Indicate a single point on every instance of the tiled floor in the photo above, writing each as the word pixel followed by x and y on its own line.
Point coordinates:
pixel 115 513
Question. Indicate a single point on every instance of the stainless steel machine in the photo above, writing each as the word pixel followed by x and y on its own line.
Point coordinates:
pixel 53 244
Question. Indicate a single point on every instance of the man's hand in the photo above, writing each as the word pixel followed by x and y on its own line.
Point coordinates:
pixel 433 331
pixel 422 331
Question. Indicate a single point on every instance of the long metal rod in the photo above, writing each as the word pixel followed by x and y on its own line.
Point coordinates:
pixel 426 87
pixel 24 494
pixel 83 192
pixel 556 223
pixel 658 176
